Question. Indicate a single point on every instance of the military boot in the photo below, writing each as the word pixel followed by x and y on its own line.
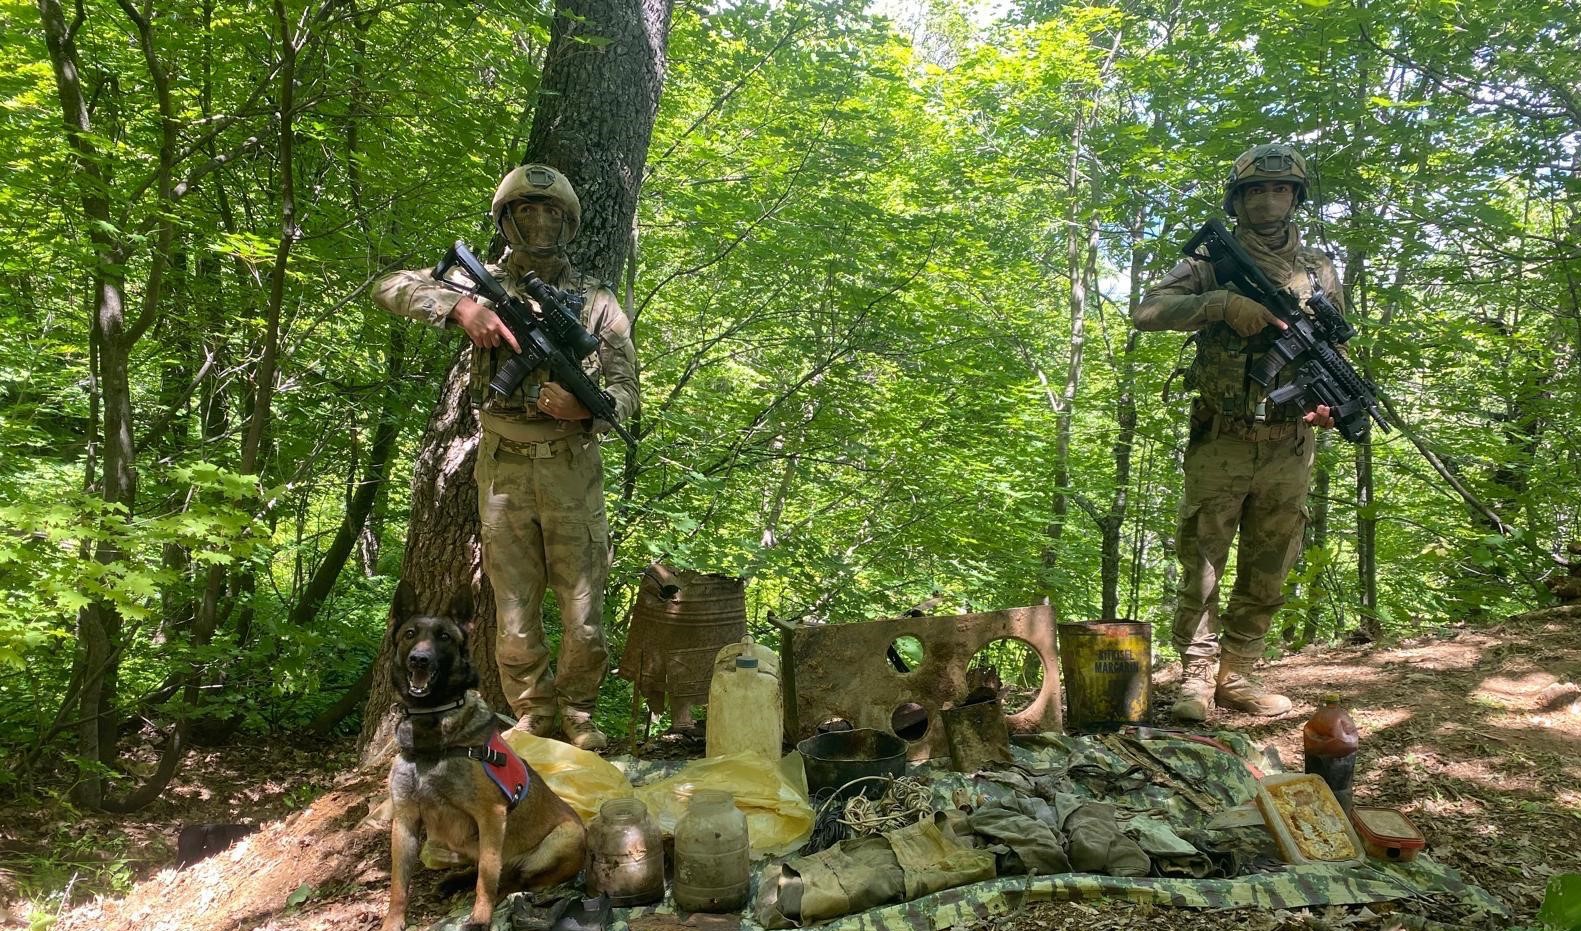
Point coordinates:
pixel 1239 690
pixel 581 732
pixel 538 725
pixel 1196 691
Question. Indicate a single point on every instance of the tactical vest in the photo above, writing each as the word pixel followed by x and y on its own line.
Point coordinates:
pixel 522 405
pixel 1221 372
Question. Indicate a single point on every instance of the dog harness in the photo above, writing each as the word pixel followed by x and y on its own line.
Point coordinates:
pixel 504 767
pixel 500 762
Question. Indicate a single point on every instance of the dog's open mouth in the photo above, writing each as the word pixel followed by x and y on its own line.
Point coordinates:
pixel 417 681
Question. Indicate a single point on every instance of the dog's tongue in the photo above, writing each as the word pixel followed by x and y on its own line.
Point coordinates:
pixel 417 681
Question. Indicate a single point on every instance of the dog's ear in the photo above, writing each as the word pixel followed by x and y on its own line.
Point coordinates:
pixel 405 602
pixel 461 610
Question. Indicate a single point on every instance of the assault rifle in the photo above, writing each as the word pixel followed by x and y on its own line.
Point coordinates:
pixel 549 335
pixel 1322 376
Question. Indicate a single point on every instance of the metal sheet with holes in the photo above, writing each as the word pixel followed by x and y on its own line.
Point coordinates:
pixel 840 671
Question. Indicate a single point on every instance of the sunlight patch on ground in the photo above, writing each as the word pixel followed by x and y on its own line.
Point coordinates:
pixel 1319 678
pixel 1440 806
pixel 1516 691
pixel 1427 762
pixel 1439 656
pixel 1376 719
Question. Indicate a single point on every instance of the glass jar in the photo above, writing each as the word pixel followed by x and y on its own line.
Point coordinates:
pixel 712 857
pixel 625 854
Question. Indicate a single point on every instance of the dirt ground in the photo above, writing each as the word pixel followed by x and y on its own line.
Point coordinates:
pixel 1474 732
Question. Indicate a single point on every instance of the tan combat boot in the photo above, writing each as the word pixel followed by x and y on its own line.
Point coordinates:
pixel 580 732
pixel 1239 690
pixel 1196 691
pixel 538 725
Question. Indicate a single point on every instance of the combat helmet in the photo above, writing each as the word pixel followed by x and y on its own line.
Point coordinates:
pixel 1272 161
pixel 533 182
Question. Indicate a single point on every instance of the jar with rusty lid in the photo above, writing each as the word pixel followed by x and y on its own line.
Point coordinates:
pixel 625 854
pixel 712 856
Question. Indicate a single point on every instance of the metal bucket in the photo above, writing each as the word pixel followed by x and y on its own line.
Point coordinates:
pixel 1108 671
pixel 836 759
pixel 685 614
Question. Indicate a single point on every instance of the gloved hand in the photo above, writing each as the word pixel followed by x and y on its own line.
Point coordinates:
pixel 1244 315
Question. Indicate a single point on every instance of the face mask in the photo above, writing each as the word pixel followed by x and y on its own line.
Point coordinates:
pixel 1266 211
pixel 535 227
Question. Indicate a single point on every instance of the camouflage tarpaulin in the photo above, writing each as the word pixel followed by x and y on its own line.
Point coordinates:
pixel 1295 887
pixel 1091 767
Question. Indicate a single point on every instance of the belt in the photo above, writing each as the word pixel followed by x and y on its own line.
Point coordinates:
pixel 1254 431
pixel 528 429
pixel 513 450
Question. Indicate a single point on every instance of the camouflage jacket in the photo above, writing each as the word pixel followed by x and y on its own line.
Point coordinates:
pixel 413 293
pixel 1219 373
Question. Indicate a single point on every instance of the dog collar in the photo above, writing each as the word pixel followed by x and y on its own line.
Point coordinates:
pixel 441 709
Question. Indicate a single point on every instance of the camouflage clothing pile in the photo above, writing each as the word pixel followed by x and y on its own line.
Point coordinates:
pixel 926 877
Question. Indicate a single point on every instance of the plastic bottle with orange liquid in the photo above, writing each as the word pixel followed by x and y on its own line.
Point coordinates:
pixel 1328 742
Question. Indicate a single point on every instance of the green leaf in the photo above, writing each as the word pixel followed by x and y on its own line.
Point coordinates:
pixel 1562 902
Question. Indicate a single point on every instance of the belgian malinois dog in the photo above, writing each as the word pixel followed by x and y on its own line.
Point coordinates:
pixel 521 835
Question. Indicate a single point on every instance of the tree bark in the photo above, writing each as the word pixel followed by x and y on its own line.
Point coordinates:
pixel 598 97
pixel 1317 542
pixel 594 118
pixel 98 624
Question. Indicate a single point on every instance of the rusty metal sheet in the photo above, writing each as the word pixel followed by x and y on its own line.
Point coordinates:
pixel 840 671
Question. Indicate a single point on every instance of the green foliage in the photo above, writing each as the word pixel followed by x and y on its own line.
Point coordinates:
pixel 48 572
pixel 1562 903
pixel 853 306
pixel 80 857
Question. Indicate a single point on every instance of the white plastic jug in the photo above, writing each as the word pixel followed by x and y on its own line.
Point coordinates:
pixel 746 710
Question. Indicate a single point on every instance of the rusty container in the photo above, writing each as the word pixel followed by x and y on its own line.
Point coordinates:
pixel 1108 671
pixel 678 625
pixel 977 735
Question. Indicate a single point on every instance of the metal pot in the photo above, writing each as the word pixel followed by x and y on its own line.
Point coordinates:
pixel 837 758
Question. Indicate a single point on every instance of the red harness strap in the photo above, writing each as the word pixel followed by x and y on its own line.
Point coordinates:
pixel 505 768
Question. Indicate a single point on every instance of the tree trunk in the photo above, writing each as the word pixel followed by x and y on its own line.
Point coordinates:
pixel 1317 542
pixel 363 495
pixel 98 624
pixel 602 76
pixel 443 551
pixel 1119 504
pixel 593 122
pixel 1366 544
pixel 1065 405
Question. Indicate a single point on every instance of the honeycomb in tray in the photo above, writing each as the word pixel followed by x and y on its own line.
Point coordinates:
pixel 1314 819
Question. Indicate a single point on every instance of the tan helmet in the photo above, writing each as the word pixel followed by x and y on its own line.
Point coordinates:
pixel 538 181
pixel 1272 161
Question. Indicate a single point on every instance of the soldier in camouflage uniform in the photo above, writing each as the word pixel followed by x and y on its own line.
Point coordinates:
pixel 540 475
pixel 1248 463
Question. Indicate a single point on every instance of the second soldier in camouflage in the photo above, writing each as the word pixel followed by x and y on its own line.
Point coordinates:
pixel 1248 463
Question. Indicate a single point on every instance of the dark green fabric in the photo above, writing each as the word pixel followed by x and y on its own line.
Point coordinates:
pixel 1023 834
pixel 1097 846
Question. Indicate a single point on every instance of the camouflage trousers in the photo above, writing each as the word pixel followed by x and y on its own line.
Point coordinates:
pixel 1239 481
pixel 543 527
